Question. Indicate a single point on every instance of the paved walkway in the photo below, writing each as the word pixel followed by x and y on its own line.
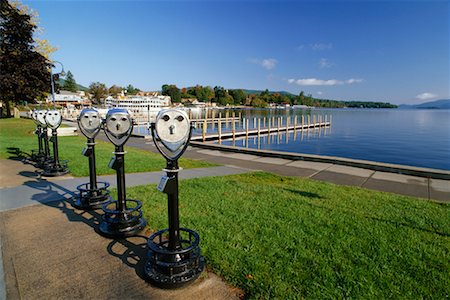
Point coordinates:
pixel 33 189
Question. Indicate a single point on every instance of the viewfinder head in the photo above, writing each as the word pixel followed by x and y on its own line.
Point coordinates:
pixel 34 114
pixel 173 128
pixel 53 119
pixel 90 122
pixel 41 118
pixel 118 126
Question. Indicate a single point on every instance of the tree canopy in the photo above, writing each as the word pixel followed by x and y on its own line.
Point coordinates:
pixel 115 90
pixel 172 91
pixel 264 98
pixel 131 90
pixel 70 84
pixel 98 91
pixel 24 73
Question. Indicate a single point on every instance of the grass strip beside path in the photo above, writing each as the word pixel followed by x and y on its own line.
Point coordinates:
pixel 19 133
pixel 291 238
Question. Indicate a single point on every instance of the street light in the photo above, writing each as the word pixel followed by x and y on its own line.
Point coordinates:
pixel 62 73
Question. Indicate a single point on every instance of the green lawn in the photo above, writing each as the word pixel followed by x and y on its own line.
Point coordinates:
pixel 291 238
pixel 19 133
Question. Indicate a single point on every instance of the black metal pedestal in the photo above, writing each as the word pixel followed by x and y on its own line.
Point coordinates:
pixel 54 167
pixel 39 155
pixel 174 268
pixel 45 158
pixel 175 261
pixel 91 195
pixel 122 218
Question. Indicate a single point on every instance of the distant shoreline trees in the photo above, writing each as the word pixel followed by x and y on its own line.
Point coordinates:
pixel 224 97
pixel 235 97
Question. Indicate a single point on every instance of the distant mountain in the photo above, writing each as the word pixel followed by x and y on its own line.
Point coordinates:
pixel 249 92
pixel 438 104
pixel 79 86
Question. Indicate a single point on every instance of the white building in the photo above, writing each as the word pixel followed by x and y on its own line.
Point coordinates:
pixel 66 97
pixel 143 108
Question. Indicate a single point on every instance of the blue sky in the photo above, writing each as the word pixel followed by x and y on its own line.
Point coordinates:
pixel 396 51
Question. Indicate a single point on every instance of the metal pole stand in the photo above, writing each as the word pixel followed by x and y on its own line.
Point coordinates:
pixel 122 218
pixel 46 159
pixel 55 167
pixel 174 257
pixel 93 194
pixel 39 155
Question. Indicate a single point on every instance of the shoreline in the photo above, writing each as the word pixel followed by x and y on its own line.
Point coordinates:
pixel 365 164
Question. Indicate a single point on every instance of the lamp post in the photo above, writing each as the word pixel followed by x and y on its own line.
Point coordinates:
pixel 62 73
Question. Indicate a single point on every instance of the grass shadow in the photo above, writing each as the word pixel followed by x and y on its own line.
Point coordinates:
pixel 398 224
pixel 304 194
pixel 17 153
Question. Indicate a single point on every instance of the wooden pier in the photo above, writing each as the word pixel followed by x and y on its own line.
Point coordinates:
pixel 258 131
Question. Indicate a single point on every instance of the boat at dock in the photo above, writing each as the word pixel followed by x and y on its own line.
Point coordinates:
pixel 142 108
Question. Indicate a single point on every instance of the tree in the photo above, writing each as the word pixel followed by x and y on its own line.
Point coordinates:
pixel 221 96
pixel 172 91
pixel 239 96
pixel 98 91
pixel 70 84
pixel 115 90
pixel 41 45
pixel 131 90
pixel 24 73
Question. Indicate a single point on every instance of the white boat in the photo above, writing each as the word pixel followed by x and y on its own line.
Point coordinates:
pixel 142 108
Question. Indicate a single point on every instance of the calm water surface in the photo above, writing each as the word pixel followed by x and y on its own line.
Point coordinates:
pixel 408 137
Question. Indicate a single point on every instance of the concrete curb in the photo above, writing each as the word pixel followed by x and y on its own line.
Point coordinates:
pixel 371 165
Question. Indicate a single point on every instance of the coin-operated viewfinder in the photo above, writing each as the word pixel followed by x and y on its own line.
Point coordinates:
pixel 123 217
pixel 56 167
pixel 177 261
pixel 118 126
pixel 39 155
pixel 93 194
pixel 53 119
pixel 90 122
pixel 173 129
pixel 40 118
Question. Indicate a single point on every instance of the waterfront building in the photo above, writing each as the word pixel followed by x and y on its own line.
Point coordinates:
pixel 142 108
pixel 67 99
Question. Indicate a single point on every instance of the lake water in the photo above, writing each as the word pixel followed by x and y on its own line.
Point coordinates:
pixel 407 137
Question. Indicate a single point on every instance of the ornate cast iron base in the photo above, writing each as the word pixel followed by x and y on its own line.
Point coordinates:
pixel 174 268
pixel 119 224
pixel 88 198
pixel 52 169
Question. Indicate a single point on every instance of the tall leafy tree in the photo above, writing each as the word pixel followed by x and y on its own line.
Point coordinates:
pixel 221 96
pixel 70 84
pixel 24 73
pixel 131 90
pixel 239 96
pixel 42 45
pixel 204 94
pixel 98 91
pixel 172 91
pixel 115 90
